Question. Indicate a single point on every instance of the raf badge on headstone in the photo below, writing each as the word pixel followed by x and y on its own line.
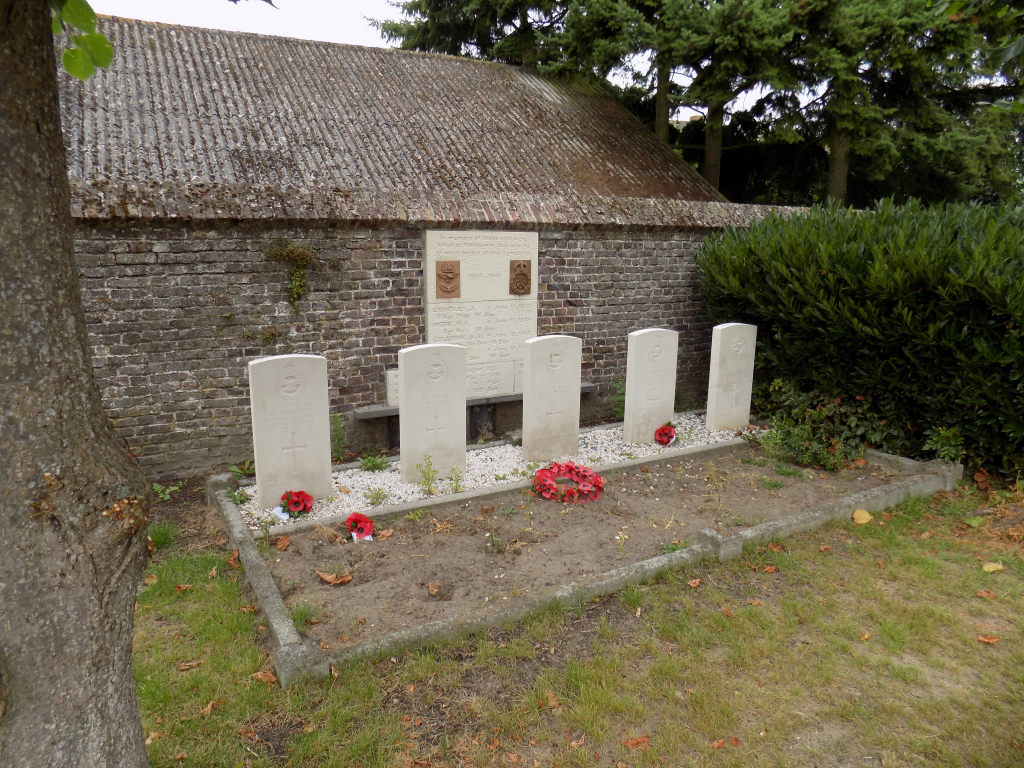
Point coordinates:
pixel 449 282
pixel 519 277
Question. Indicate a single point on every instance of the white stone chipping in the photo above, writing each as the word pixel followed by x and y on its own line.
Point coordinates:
pixel 485 468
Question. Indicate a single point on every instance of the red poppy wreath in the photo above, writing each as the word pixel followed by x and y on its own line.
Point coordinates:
pixel 586 485
pixel 360 526
pixel 296 503
pixel 665 434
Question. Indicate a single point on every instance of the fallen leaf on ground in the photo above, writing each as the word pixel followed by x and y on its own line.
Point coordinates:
pixel 638 609
pixel 862 517
pixel 987 595
pixel 361 621
pixel 343 489
pixel 755 602
pixel 180 756
pixel 926 535
pixel 751 566
pixel 770 569
pixel 233 559
pixel 187 665
pixel 981 478
pixel 641 742
pixel 727 612
pixel 151 579
pixel 690 690
pixel 205 711
pixel 774 547
pixel 734 741
pixel 153 736
pixel 248 609
pixel 410 688
pixel 386 534
pixel 825 548
pixel 693 583
pixel 187 587
pixel 988 639
pixel 282 543
pixel 325 645
pixel 213 573
pixel 992 567
pixel 860 462
pixel 433 587
pixel 553 701
pixel 265 676
pixel 334 579
pixel 866 636
pixel 718 744
pixel 574 745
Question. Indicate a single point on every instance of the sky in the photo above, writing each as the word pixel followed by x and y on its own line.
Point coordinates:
pixel 335 21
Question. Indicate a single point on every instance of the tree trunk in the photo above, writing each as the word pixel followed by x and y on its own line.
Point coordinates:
pixel 661 109
pixel 72 550
pixel 838 165
pixel 713 142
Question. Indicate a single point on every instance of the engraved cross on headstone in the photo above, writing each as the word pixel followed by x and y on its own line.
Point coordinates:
pixel 735 392
pixel 553 412
pixel 292 449
pixel 432 431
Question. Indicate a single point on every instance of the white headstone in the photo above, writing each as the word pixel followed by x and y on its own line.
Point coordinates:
pixel 551 397
pixel 481 293
pixel 291 429
pixel 432 408
pixel 392 380
pixel 650 382
pixel 732 375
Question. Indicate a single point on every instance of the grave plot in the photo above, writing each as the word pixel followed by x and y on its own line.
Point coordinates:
pixel 456 560
pixel 358 490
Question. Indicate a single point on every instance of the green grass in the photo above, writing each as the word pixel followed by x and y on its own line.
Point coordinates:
pixel 785 471
pixel 162 535
pixel 866 648
pixel 302 614
pixel 771 485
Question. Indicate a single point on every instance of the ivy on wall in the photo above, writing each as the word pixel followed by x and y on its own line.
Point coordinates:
pixel 300 258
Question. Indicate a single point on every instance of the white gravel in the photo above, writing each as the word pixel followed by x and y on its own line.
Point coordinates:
pixel 489 467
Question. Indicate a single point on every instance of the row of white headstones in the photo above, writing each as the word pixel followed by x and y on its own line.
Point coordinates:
pixel 291 422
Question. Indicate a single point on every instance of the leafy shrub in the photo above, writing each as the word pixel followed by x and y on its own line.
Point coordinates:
pixel 374 463
pixel 164 492
pixel 162 535
pixel 339 440
pixel 243 470
pixel 919 311
pixel 618 399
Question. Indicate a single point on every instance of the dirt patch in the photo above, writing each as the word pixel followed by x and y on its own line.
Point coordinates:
pixel 457 559
pixel 186 510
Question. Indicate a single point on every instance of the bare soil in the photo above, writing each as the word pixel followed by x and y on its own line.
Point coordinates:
pixel 458 559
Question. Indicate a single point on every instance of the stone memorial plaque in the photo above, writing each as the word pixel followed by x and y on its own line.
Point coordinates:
pixel 551 397
pixel 392 383
pixel 489 379
pixel 650 382
pixel 487 319
pixel 291 430
pixel 432 408
pixel 449 281
pixel 732 375
pixel 519 282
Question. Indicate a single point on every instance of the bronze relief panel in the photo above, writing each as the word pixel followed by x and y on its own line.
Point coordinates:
pixel 448 276
pixel 519 279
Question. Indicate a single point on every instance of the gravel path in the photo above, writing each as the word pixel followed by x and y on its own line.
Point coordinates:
pixel 489 467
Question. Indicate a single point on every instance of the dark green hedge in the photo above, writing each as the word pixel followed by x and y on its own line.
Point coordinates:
pixel 919 310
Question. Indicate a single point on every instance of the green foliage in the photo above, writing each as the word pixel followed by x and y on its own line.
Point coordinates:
pixel 771 485
pixel 428 476
pixel 302 615
pixel 910 318
pixel 243 470
pixel 161 535
pixel 416 515
pixel 945 443
pixel 339 439
pixel 300 258
pixel 455 478
pixel 163 492
pixel 376 496
pixel 374 463
pixel 88 50
pixel 618 399
pixel 238 497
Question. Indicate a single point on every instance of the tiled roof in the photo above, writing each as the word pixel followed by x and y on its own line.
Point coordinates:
pixel 183 107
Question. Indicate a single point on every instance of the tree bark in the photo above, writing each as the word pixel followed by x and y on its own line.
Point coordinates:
pixel 838 165
pixel 713 142
pixel 72 503
pixel 661 109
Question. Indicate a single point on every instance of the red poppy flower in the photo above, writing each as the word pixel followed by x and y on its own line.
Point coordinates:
pixel 544 474
pixel 360 525
pixel 570 494
pixel 664 434
pixel 547 488
pixel 297 502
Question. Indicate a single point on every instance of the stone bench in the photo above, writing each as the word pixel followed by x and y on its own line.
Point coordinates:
pixel 384 410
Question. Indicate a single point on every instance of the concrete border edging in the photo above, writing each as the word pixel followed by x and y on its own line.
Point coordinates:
pixel 295 659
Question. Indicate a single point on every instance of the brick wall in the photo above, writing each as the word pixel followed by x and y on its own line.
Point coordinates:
pixel 176 310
